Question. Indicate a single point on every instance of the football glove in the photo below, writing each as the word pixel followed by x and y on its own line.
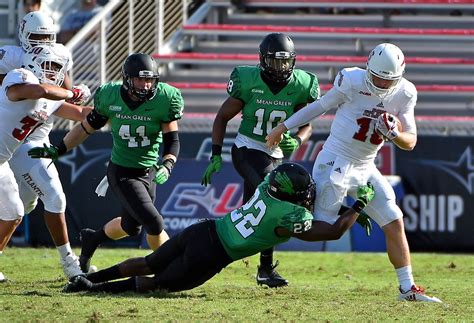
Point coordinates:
pixel 364 220
pixel 365 194
pixel 288 144
pixel 81 94
pixel 213 167
pixel 163 172
pixel 387 126
pixel 44 152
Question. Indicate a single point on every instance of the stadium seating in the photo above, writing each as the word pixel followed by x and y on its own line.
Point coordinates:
pixel 443 77
pixel 439 47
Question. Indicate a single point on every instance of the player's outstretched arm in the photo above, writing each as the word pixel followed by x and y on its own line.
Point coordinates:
pixel 229 109
pixel 72 139
pixel 29 91
pixel 321 231
pixel 73 112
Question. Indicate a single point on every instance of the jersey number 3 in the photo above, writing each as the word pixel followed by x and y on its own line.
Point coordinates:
pixel 28 123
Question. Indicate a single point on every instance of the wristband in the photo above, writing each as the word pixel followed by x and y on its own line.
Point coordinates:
pixel 168 164
pixel 298 139
pixel 62 149
pixel 216 150
pixel 358 206
pixel 85 130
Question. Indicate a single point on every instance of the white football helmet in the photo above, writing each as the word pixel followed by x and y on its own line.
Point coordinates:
pixel 48 63
pixel 386 61
pixel 36 28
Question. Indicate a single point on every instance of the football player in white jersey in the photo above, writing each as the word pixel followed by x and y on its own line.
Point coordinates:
pixel 24 108
pixel 366 101
pixel 36 28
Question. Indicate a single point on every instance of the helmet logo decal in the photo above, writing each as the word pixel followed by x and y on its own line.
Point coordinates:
pixel 283 55
pixel 146 74
pixel 341 78
pixel 22 26
pixel 285 183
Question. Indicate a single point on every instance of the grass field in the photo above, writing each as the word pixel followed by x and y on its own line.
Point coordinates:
pixel 323 287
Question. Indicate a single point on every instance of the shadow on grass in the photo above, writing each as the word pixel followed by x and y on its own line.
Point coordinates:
pixel 128 295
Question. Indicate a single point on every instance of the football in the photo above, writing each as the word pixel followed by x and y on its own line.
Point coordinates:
pixel 399 124
pixel 392 118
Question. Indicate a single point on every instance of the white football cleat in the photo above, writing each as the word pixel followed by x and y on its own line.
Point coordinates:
pixel 2 278
pixel 417 294
pixel 71 266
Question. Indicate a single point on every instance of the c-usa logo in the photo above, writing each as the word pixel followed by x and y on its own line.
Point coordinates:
pixel 187 198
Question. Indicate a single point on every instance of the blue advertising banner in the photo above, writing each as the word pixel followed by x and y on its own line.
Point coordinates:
pixel 435 192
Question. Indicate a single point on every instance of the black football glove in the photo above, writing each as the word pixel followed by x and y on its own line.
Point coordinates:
pixel 364 221
pixel 46 151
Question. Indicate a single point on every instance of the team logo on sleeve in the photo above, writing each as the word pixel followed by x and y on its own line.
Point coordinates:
pixel 341 77
pixel 41 115
pixel 115 108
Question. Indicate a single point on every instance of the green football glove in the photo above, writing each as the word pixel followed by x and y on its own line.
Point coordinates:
pixel 364 220
pixel 163 171
pixel 288 144
pixel 365 194
pixel 162 174
pixel 213 167
pixel 44 152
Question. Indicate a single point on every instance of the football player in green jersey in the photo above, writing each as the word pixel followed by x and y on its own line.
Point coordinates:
pixel 280 208
pixel 143 114
pixel 265 95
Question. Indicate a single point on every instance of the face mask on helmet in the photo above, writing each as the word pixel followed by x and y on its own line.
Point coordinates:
pixel 277 57
pixel 35 29
pixel 47 63
pixel 385 68
pixel 292 183
pixel 140 66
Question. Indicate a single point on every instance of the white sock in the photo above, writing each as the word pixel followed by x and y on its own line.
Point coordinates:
pixel 2 277
pixel 65 250
pixel 405 278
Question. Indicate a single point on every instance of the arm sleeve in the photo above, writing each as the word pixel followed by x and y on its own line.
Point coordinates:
pixel 331 99
pixel 171 143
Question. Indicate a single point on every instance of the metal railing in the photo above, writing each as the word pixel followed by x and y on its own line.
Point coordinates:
pixel 121 28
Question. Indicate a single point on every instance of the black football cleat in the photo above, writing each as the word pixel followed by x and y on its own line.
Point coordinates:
pixel 87 250
pixel 267 275
pixel 78 284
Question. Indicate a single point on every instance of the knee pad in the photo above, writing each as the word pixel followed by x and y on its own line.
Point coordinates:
pixel 54 202
pixel 11 206
pixel 11 211
pixel 30 205
pixel 330 197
